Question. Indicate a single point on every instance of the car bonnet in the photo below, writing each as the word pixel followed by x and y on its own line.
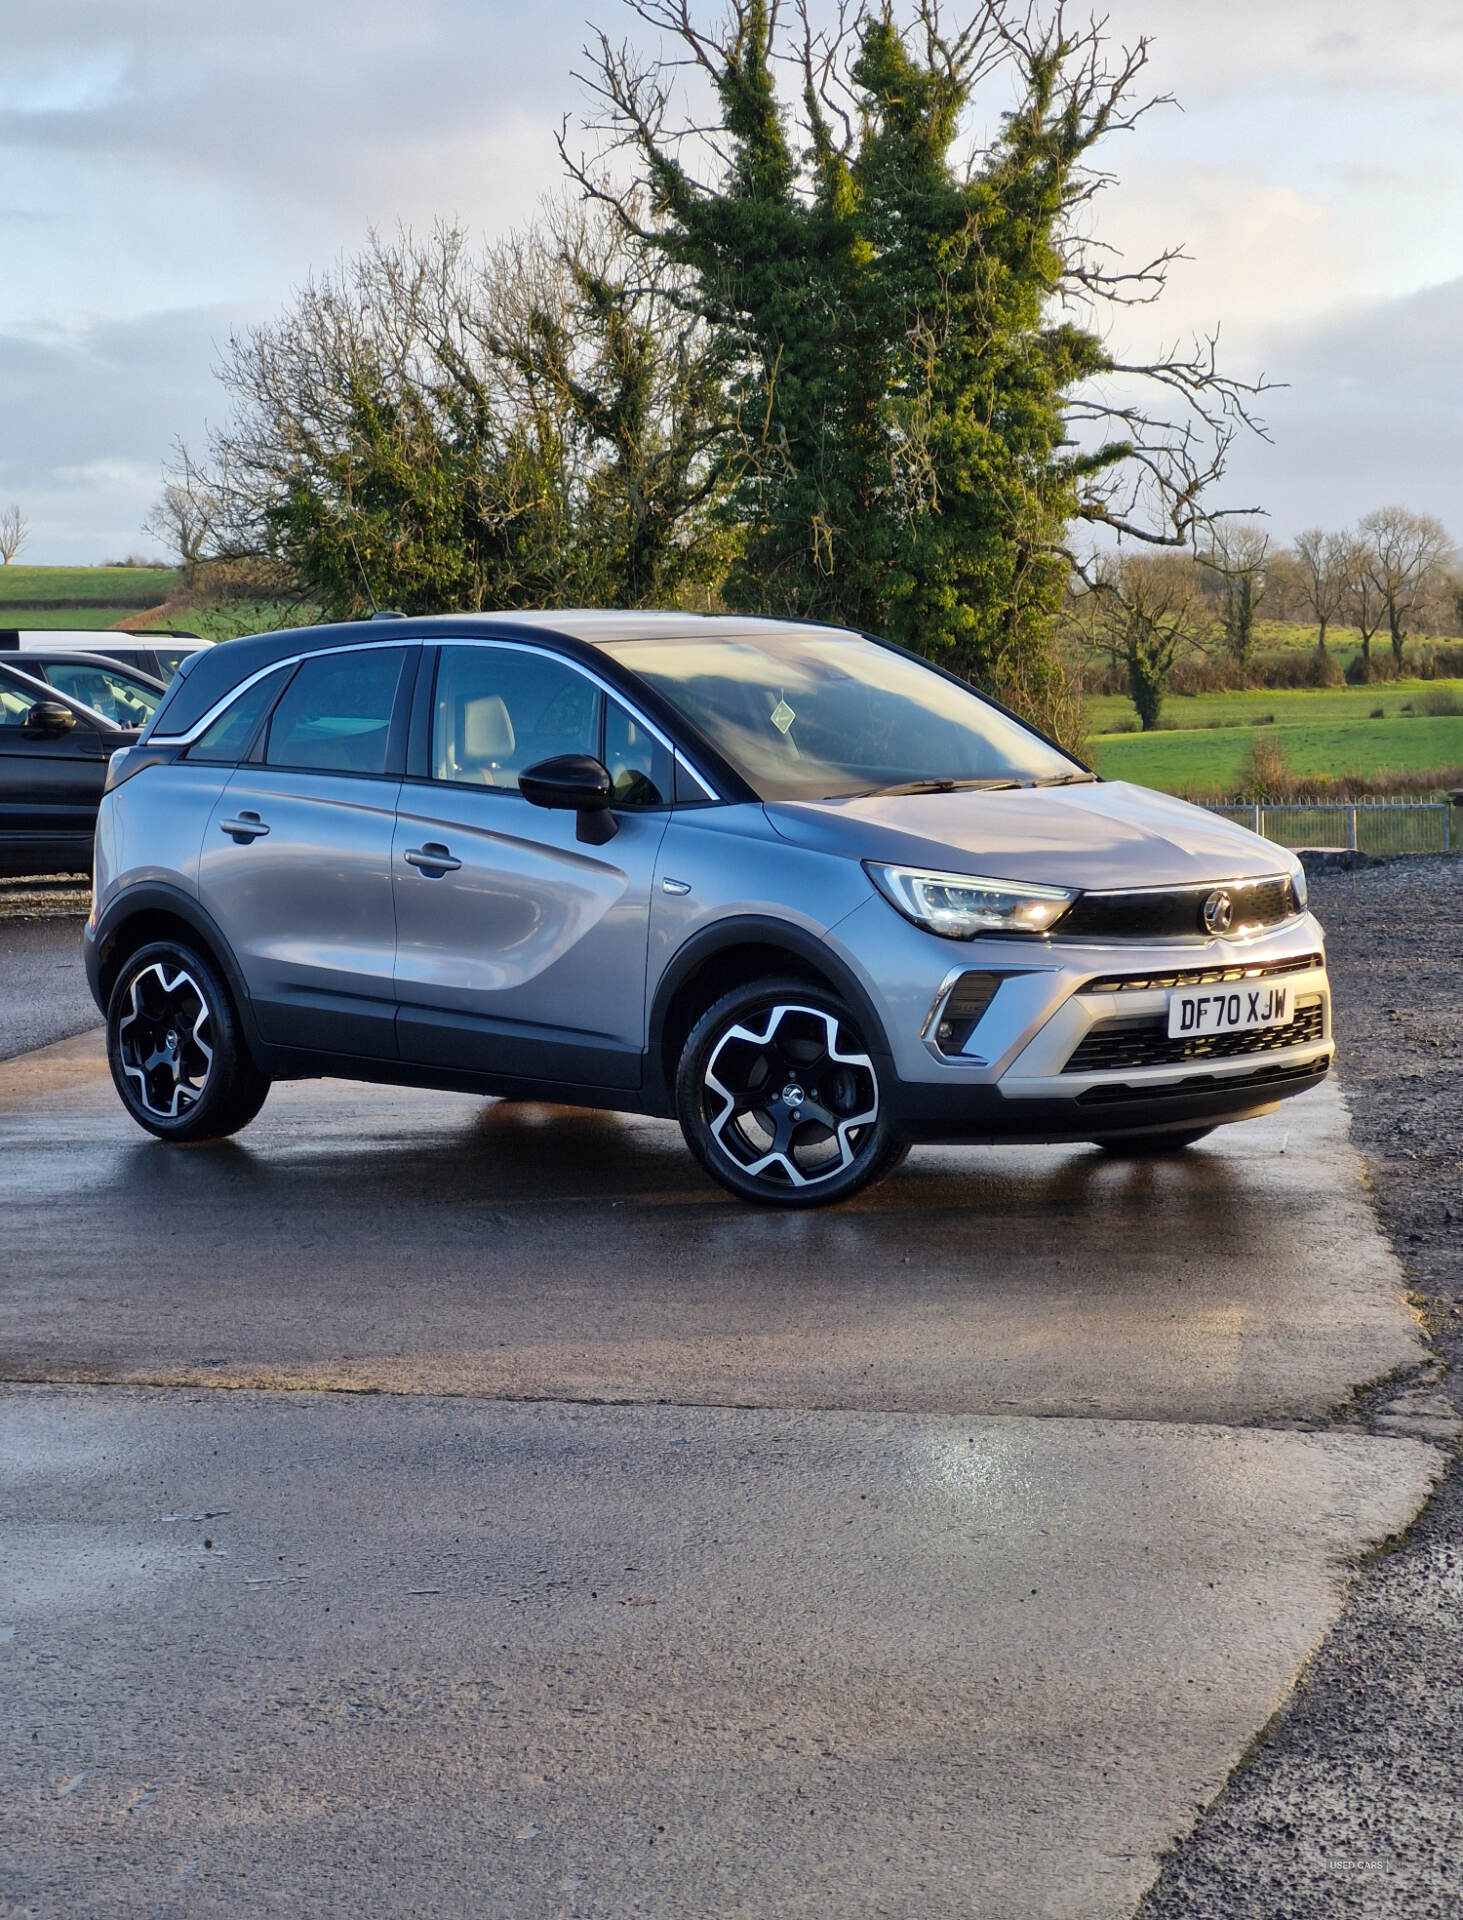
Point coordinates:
pixel 1104 836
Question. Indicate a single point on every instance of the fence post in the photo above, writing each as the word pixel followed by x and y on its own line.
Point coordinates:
pixel 1352 842
pixel 1257 815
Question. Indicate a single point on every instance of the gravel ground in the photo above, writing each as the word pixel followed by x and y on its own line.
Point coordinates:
pixel 1351 1802
pixel 43 990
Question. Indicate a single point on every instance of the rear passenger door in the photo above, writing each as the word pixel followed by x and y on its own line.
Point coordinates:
pixel 296 866
pixel 521 949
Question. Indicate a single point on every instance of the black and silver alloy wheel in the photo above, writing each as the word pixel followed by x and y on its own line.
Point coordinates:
pixel 163 1043
pixel 779 1097
pixel 175 1048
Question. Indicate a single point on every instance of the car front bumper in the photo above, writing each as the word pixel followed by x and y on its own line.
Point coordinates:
pixel 1073 1044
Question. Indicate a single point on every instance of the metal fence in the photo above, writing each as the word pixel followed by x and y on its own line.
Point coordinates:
pixel 1369 826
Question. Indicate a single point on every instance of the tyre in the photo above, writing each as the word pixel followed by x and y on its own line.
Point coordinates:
pixel 174 1045
pixel 1173 1142
pixel 780 1100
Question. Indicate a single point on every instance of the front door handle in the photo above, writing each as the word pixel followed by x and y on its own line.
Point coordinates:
pixel 433 859
pixel 246 827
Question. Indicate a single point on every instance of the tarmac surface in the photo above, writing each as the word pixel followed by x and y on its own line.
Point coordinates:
pixel 43 990
pixel 430 1503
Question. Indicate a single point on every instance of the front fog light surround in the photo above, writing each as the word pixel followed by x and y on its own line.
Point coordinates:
pixel 961 907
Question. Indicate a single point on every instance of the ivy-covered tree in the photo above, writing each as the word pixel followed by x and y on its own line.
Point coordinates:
pixel 922 405
pixel 440 432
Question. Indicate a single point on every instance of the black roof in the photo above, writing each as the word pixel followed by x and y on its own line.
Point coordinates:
pixel 206 677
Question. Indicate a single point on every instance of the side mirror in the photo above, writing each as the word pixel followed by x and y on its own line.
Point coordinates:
pixel 48 718
pixel 574 783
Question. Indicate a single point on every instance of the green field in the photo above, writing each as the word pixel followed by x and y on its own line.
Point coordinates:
pixel 55 620
pixel 102 589
pixel 1106 712
pixel 1202 761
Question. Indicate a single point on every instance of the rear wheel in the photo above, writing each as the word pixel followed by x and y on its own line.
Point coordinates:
pixel 1140 1143
pixel 177 1056
pixel 779 1098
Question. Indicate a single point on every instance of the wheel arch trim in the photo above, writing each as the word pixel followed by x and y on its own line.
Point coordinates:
pixel 756 930
pixel 157 896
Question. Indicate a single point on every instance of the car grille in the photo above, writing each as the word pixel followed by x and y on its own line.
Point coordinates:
pixel 1173 912
pixel 1114 1094
pixel 1121 1046
pixel 1203 976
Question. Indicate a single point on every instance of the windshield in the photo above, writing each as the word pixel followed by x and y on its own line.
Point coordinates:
pixel 110 691
pixel 819 716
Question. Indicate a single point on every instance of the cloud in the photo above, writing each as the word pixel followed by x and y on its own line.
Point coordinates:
pixel 171 168
pixel 1372 415
pixel 89 418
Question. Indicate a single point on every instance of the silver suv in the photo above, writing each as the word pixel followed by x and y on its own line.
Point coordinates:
pixel 794 886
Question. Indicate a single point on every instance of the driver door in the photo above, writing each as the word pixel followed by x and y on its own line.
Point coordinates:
pixel 50 786
pixel 521 950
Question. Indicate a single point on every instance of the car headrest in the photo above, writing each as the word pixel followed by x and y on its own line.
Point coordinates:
pixel 487 732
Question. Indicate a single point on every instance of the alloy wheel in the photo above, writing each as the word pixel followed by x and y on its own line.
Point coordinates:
pixel 164 1040
pixel 790 1098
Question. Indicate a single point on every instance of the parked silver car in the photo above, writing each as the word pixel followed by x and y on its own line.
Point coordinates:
pixel 790 884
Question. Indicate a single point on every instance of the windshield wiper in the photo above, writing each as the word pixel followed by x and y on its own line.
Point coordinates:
pixel 947 785
pixel 1067 780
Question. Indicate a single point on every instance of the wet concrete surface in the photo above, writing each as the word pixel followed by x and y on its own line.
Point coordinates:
pixel 43 992
pixel 369 1238
pixel 938 1568
pixel 279 1653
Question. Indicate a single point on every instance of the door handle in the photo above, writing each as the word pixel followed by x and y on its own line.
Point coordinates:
pixel 244 828
pixel 433 859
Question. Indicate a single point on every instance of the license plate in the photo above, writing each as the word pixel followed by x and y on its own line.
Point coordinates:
pixel 1200 1010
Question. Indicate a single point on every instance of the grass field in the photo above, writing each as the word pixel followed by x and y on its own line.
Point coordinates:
pixel 1106 711
pixel 54 619
pixel 1202 761
pixel 103 589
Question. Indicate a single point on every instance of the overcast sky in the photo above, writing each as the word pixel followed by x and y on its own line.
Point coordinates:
pixel 167 173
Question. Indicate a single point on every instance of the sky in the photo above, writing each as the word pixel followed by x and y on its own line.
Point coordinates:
pixel 169 172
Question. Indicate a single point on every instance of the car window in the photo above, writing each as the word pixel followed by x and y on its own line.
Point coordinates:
pixel 15 703
pixel 817 714
pixel 169 661
pixel 115 695
pixel 228 739
pixel 335 715
pixel 640 767
pixel 501 709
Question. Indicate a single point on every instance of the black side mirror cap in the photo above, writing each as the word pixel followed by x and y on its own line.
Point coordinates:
pixel 574 783
pixel 48 718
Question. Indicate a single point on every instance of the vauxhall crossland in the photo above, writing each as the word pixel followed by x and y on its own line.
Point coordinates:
pixel 794 886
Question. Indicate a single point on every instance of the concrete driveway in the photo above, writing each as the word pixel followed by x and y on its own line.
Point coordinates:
pixel 576 1541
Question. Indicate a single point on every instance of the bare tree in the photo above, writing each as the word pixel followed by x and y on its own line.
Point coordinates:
pixel 1402 553
pixel 1364 601
pixel 1145 608
pixel 1321 572
pixel 1236 561
pixel 14 532
pixel 182 516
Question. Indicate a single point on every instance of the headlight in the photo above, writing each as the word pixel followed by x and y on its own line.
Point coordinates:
pixel 961 907
pixel 1299 887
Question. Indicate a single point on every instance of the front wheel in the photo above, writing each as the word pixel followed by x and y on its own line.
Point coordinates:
pixel 174 1046
pixel 779 1098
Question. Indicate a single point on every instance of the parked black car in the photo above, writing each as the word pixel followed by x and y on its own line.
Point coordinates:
pixel 53 765
pixel 120 693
